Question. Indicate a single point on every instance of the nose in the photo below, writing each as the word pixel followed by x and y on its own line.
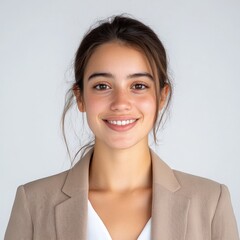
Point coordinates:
pixel 120 101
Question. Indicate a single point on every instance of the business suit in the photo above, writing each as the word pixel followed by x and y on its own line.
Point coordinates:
pixel 183 206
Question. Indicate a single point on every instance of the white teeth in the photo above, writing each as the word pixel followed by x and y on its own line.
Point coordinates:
pixel 122 123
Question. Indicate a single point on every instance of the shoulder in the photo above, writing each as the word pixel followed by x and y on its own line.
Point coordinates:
pixel 55 180
pixel 193 182
pixel 38 198
pixel 45 188
pixel 185 184
pixel 200 189
pixel 60 186
pixel 209 201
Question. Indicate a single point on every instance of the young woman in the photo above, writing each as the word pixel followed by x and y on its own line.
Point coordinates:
pixel 120 189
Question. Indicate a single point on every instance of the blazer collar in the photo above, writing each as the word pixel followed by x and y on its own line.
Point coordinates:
pixel 169 209
pixel 162 174
pixel 71 215
pixel 77 178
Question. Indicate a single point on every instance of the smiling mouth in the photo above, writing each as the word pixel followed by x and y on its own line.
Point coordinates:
pixel 121 122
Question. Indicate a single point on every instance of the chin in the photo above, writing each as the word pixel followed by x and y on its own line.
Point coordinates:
pixel 121 144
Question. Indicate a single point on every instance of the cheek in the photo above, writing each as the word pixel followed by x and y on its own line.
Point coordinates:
pixel 93 108
pixel 91 102
pixel 148 104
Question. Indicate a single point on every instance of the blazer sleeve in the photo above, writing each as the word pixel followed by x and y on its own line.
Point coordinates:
pixel 224 225
pixel 20 224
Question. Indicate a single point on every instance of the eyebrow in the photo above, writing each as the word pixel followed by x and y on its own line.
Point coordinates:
pixel 100 74
pixel 109 75
pixel 143 74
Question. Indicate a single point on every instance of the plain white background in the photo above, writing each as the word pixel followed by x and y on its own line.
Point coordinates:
pixel 38 40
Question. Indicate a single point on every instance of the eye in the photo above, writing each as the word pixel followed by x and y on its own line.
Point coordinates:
pixel 101 86
pixel 140 86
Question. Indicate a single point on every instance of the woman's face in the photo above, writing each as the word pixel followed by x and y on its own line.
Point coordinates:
pixel 119 96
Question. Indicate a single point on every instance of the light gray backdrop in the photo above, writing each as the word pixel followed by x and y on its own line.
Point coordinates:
pixel 38 40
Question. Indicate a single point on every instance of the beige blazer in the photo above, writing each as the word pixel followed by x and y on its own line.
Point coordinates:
pixel 183 207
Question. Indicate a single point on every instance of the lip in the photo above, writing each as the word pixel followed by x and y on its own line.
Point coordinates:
pixel 120 128
pixel 121 118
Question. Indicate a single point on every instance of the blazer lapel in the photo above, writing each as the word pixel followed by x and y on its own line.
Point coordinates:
pixel 71 218
pixel 169 209
pixel 71 214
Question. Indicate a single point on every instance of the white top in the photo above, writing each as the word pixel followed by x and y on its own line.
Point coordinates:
pixel 97 230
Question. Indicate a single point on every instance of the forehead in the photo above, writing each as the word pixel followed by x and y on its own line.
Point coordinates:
pixel 119 58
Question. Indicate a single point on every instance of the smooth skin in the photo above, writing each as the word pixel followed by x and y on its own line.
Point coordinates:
pixel 119 86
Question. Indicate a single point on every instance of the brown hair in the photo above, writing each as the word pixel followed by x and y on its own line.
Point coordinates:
pixel 127 31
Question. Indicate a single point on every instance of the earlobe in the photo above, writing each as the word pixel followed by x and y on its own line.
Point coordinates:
pixel 80 105
pixel 79 98
pixel 163 96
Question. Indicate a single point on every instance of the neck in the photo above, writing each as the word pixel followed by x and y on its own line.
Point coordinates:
pixel 120 170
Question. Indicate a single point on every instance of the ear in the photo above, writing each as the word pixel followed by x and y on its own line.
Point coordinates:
pixel 79 98
pixel 164 96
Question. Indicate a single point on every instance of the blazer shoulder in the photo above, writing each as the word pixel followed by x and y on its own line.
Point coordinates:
pixel 49 186
pixel 58 187
pixel 212 200
pixel 199 187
